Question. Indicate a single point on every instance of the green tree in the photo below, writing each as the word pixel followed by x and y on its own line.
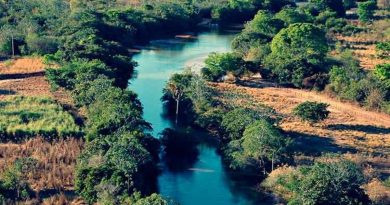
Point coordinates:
pixel 366 10
pixel 333 5
pixel 262 141
pixel 235 121
pixel 383 71
pixel 312 112
pixel 297 52
pixel 176 88
pixel 291 16
pixel 348 4
pixel 331 182
pixel 219 64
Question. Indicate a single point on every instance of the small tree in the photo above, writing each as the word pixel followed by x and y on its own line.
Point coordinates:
pixel 312 112
pixel 219 64
pixel 176 88
pixel 366 10
pixel 262 140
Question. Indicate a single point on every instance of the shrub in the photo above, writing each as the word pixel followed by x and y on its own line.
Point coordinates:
pixel 218 65
pixel 41 45
pixel 312 112
pixel 383 49
pixel 336 181
pixel 366 10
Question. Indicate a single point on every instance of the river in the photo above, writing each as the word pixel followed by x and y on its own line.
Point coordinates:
pixel 204 181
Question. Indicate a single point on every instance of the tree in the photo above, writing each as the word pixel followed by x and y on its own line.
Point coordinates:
pixel 334 182
pixel 348 4
pixel 264 23
pixel 262 141
pixel 291 16
pixel 333 5
pixel 235 121
pixel 297 52
pixel 312 112
pixel 176 88
pixel 219 64
pixel 366 10
pixel 383 71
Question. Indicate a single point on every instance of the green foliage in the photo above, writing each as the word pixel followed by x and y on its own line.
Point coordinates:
pixel 383 72
pixel 333 5
pixel 113 110
pixel 383 49
pixel 262 144
pixel 348 4
pixel 153 199
pixel 350 82
pixel 234 122
pixel 218 65
pixel 298 52
pixel 291 16
pixel 336 182
pixel 366 10
pixel 312 112
pixel 13 185
pixel 23 117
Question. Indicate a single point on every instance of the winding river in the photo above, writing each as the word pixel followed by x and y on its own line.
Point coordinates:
pixel 204 181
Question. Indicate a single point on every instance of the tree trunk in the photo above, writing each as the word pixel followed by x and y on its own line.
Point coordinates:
pixel 177 110
pixel 272 163
pixel 12 46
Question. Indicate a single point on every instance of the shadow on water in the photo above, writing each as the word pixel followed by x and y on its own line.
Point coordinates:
pixel 361 128
pixel 180 151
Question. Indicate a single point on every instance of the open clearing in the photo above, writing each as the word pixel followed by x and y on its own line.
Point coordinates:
pixel 349 128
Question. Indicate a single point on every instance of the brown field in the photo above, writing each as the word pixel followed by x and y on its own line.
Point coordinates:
pixel 56 161
pixel 349 128
pixel 54 175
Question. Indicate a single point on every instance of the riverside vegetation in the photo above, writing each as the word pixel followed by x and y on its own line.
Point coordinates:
pixel 86 43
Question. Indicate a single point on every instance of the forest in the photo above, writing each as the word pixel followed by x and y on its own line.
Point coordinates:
pixel 86 109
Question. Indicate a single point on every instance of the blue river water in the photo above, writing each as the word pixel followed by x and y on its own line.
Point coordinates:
pixel 204 181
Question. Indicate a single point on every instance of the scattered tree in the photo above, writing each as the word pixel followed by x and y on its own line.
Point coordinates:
pixel 312 112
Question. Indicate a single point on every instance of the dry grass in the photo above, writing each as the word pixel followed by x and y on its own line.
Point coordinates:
pixel 363 44
pixel 56 161
pixel 377 192
pixel 348 128
pixel 22 65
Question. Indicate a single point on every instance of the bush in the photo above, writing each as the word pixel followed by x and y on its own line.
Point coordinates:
pixel 312 112
pixel 366 10
pixel 41 45
pixel 218 65
pixel 383 49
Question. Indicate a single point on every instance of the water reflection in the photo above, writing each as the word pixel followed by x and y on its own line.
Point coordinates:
pixel 192 174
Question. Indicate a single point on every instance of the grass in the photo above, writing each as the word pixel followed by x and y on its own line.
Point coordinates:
pixel 22 117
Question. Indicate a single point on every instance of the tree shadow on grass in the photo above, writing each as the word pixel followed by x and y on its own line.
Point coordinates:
pixel 7 92
pixel 21 75
pixel 314 145
pixel 362 128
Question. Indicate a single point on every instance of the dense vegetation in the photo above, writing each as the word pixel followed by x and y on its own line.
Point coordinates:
pixel 87 44
pixel 250 140
pixel 328 181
